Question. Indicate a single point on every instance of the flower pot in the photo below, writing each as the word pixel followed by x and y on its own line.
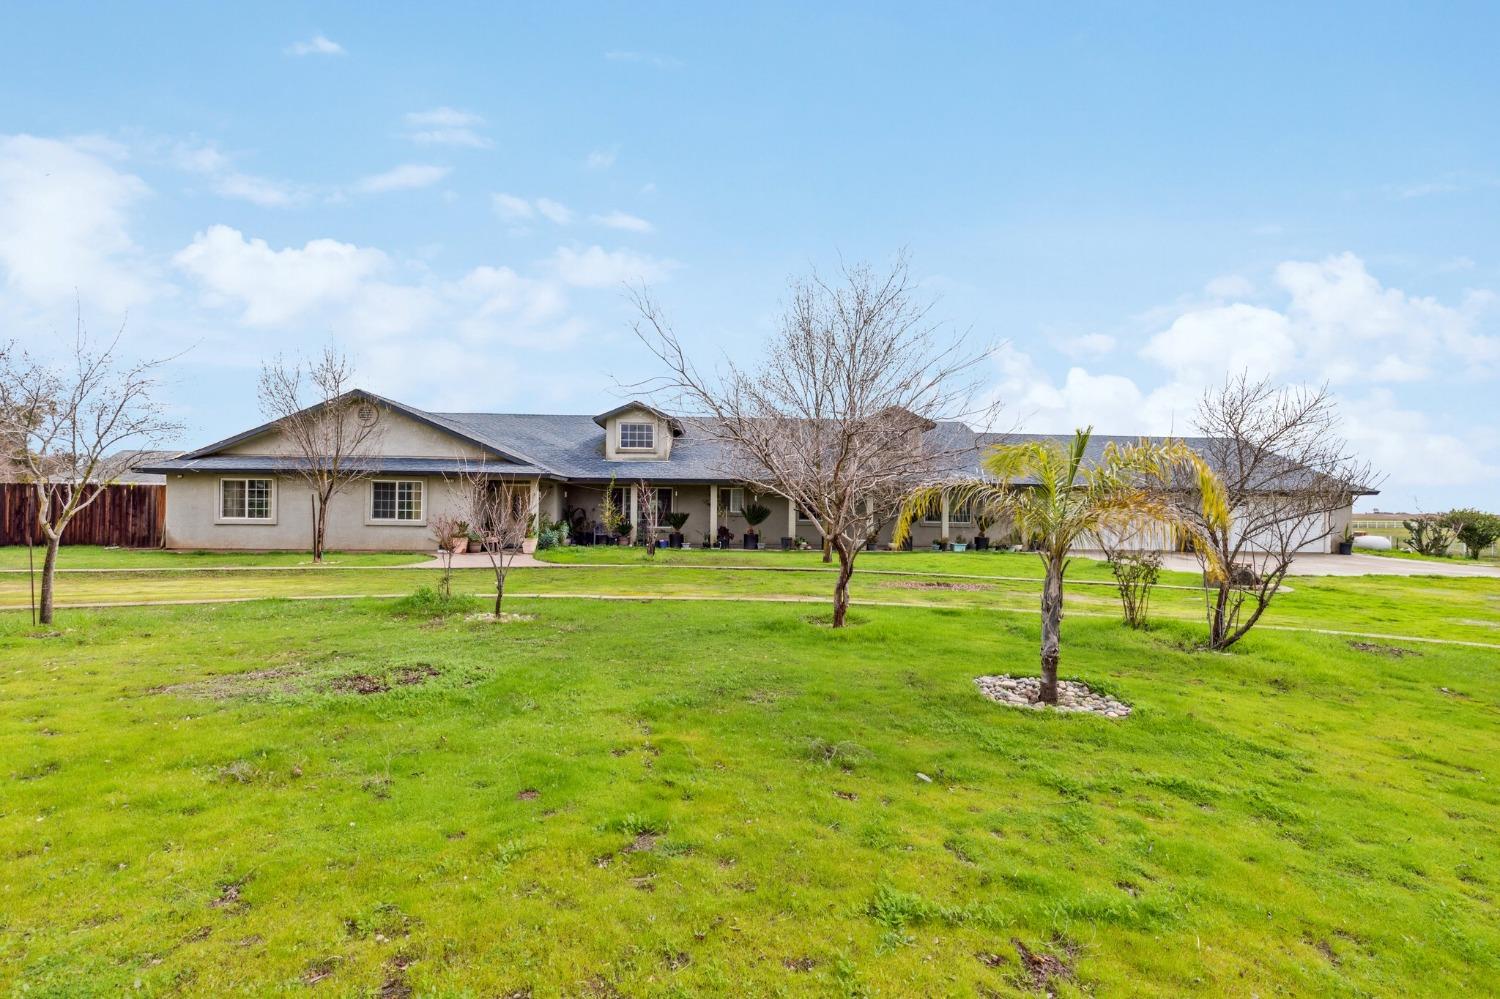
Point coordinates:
pixel 981 543
pixel 674 540
pixel 474 546
pixel 458 545
pixel 1346 547
pixel 960 546
pixel 937 546
pixel 752 542
pixel 528 546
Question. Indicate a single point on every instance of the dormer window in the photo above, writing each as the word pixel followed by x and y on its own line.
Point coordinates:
pixel 637 436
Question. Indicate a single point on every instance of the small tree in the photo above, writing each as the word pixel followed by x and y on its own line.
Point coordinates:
pixel 330 432
pixel 1057 499
pixel 500 511
pixel 1285 471
pixel 648 514
pixel 444 529
pixel 1136 569
pixel 1475 529
pixel 66 428
pixel 839 407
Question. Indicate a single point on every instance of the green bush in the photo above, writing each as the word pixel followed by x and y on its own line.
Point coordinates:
pixel 429 602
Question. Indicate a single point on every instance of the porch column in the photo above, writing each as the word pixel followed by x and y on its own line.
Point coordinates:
pixel 713 511
pixel 634 515
pixel 536 502
pixel 791 518
pixel 944 532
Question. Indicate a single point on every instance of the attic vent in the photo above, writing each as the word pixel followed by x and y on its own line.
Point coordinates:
pixel 366 414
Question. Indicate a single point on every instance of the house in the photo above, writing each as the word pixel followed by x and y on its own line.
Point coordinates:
pixel 241 492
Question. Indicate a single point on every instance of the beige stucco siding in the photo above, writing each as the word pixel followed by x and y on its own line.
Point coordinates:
pixel 193 516
pixel 400 436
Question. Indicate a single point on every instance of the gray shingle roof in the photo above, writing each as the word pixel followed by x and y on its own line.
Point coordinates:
pixel 278 463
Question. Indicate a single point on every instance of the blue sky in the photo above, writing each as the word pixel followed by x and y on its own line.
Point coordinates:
pixel 1131 199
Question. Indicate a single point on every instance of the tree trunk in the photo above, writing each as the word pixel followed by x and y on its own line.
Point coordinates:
pixel 827 551
pixel 499 593
pixel 320 525
pixel 1052 603
pixel 841 587
pixel 49 573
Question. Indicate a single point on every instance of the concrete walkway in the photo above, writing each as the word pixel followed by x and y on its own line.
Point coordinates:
pixel 1364 565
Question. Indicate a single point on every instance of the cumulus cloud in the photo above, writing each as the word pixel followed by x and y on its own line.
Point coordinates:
pixel 445 126
pixel 1205 343
pixel 596 267
pixel 406 177
pixel 276 286
pixel 64 213
pixel 316 45
pixel 209 161
pixel 622 220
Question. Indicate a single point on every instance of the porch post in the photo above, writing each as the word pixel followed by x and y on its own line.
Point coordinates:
pixel 791 518
pixel 713 511
pixel 944 532
pixel 536 502
pixel 634 516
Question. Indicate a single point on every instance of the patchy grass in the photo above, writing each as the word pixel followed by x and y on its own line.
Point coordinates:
pixel 712 798
pixel 97 557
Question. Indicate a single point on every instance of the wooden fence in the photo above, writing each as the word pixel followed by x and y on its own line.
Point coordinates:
pixel 131 516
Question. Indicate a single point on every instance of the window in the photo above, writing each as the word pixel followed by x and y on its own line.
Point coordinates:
pixel 663 502
pixel 733 499
pixel 958 513
pixel 246 499
pixel 802 516
pixel 396 500
pixel 637 436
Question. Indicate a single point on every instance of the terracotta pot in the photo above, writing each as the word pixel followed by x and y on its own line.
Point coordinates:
pixel 458 545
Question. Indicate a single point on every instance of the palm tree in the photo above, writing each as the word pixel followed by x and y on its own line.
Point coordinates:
pixel 1055 500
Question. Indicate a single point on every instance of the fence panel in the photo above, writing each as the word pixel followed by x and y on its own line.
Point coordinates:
pixel 130 516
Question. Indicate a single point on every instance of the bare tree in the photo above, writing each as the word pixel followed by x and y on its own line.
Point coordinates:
pixel 444 528
pixel 648 515
pixel 67 427
pixel 838 411
pixel 330 432
pixel 1285 470
pixel 499 510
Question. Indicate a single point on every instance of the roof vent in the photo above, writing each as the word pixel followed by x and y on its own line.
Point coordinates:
pixel 367 414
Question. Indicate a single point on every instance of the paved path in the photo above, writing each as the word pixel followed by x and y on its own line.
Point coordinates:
pixel 761 599
pixel 1364 565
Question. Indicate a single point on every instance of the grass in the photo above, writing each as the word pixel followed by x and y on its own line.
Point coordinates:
pixel 713 798
pixel 97 557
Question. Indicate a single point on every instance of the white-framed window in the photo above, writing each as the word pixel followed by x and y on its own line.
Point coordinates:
pixel 958 513
pixel 637 436
pixel 396 501
pixel 733 499
pixel 802 516
pixel 247 500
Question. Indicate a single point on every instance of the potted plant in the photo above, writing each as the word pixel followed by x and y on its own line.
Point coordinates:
pixel 941 544
pixel 981 540
pixel 474 541
pixel 675 519
pixel 725 538
pixel 1346 544
pixel 755 514
pixel 961 544
pixel 458 540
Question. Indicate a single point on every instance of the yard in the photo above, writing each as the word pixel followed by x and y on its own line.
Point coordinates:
pixel 723 796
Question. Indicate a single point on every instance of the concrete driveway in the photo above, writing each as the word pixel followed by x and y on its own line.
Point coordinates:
pixel 1364 565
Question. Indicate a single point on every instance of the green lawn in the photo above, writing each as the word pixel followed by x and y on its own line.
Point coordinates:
pixel 722 798
pixel 96 557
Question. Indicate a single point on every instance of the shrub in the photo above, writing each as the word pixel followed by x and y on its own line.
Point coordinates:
pixel 1429 535
pixel 1136 572
pixel 429 602
pixel 1475 529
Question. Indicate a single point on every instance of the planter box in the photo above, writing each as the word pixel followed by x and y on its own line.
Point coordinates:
pixel 752 542
pixel 960 546
pixel 674 540
pixel 981 544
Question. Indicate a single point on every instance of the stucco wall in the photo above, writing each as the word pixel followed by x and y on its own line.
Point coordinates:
pixel 193 522
pixel 399 436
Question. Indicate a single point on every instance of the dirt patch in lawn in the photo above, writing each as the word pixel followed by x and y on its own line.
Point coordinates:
pixel 359 683
pixel 1038 970
pixel 221 688
pixel 1389 651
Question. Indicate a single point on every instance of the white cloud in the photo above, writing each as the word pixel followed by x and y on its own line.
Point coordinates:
pixel 596 267
pixel 445 126
pixel 1088 345
pixel 276 286
pixel 211 162
pixel 622 220
pixel 406 177
pixel 511 208
pixel 601 159
pixel 63 224
pixel 316 45
pixel 1202 345
pixel 554 210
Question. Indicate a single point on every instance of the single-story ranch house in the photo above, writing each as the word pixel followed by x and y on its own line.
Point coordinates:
pixel 241 493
